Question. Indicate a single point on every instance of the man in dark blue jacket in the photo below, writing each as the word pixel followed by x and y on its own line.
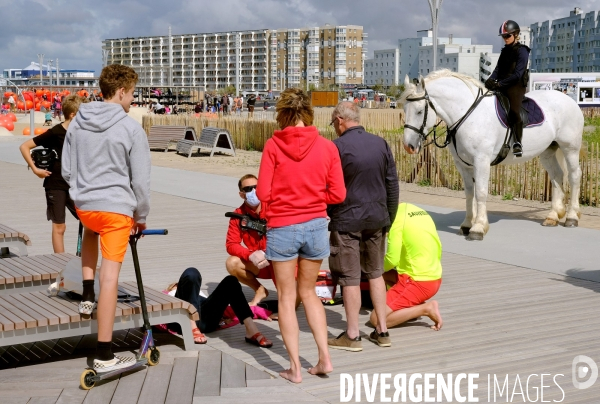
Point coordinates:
pixel 358 225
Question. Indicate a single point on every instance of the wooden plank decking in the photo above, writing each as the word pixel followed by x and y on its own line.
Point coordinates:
pixel 498 319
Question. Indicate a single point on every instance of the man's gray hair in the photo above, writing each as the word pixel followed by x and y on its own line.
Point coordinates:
pixel 348 111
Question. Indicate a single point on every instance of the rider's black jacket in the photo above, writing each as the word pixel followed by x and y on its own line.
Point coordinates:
pixel 511 65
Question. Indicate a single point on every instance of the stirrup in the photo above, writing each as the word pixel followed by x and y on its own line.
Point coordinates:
pixel 518 149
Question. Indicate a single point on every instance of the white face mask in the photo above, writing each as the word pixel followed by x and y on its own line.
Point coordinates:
pixel 252 199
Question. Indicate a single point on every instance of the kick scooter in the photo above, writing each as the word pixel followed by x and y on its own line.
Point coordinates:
pixel 148 353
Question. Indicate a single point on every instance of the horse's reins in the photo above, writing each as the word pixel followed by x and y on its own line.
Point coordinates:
pixel 450 130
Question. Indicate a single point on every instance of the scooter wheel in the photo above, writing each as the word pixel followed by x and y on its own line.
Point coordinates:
pixel 153 356
pixel 86 381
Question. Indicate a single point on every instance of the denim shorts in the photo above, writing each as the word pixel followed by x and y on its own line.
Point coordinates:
pixel 307 240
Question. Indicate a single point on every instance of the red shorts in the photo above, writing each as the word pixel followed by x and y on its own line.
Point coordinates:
pixel 266 273
pixel 408 292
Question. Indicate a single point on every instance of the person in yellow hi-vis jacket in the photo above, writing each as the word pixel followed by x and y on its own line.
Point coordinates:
pixel 413 268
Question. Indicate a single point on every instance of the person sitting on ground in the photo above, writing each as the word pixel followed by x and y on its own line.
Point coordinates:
pixel 247 262
pixel 412 268
pixel 57 189
pixel 211 308
pixel 48 118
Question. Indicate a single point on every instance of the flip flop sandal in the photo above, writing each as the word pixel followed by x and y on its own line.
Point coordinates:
pixel 262 343
pixel 86 308
pixel 199 338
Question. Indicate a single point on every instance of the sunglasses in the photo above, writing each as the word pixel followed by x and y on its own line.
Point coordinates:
pixel 249 188
pixel 506 36
pixel 333 121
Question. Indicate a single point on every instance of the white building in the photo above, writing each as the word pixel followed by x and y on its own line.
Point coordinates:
pixel 413 57
pixel 463 59
pixel 568 44
pixel 250 60
pixel 384 68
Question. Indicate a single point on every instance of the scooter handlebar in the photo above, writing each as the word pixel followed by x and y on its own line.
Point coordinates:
pixel 155 232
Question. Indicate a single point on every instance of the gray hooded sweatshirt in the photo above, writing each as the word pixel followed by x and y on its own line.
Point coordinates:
pixel 106 161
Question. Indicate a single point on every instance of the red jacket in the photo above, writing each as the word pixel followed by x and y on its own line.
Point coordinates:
pixel 300 174
pixel 251 239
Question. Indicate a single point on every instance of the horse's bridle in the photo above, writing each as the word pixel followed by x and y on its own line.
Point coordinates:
pixel 452 129
pixel 422 135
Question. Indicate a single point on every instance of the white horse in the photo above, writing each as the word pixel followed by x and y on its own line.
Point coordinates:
pixel 480 137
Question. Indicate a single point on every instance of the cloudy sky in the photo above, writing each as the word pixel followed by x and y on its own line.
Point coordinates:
pixel 72 30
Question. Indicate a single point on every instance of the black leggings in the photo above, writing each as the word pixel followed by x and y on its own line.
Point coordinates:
pixel 228 292
pixel 515 95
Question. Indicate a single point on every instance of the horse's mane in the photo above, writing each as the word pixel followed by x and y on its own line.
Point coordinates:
pixel 411 89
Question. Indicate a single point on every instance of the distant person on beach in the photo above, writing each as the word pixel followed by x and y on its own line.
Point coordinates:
pixel 57 106
pixel 413 268
pixel 300 174
pixel 246 247
pixel 57 189
pixel 240 105
pixel 225 103
pixel 251 103
pixel 111 192
pixel 12 104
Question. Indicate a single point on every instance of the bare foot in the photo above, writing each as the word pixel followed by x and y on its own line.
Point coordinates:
pixel 434 314
pixel 321 368
pixel 290 375
pixel 274 316
pixel 260 294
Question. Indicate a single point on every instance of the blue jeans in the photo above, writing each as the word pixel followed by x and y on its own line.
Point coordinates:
pixel 307 240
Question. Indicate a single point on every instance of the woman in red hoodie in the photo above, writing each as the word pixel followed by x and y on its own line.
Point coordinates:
pixel 300 174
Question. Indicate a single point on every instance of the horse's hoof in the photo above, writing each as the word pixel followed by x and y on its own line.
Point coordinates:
pixel 464 231
pixel 550 223
pixel 475 236
pixel 571 223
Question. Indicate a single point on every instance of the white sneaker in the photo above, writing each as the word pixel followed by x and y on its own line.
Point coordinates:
pixel 87 308
pixel 118 362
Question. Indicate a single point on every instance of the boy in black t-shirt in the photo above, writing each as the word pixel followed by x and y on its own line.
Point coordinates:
pixel 57 189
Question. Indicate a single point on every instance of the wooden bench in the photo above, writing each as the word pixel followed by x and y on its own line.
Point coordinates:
pixel 26 274
pixel 215 140
pixel 34 316
pixel 161 136
pixel 10 238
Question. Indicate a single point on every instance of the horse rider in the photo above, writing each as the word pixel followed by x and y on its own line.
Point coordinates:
pixel 508 79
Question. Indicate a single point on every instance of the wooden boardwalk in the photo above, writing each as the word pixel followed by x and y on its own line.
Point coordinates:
pixel 498 320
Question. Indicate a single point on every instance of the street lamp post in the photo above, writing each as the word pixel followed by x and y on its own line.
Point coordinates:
pixel 434 6
pixel 50 70
pixel 216 67
pixel 41 60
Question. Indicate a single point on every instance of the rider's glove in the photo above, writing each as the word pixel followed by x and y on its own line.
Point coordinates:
pixel 491 84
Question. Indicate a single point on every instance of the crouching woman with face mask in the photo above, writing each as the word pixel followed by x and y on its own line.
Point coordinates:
pixel 246 247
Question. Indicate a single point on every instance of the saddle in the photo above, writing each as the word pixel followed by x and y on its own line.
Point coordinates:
pixel 531 113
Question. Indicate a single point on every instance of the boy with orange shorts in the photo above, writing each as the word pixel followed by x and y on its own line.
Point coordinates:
pixel 412 268
pixel 106 162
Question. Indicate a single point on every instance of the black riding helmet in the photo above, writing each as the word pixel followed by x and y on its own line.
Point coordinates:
pixel 509 27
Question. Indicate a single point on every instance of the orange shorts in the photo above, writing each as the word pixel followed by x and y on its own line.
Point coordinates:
pixel 113 229
pixel 408 293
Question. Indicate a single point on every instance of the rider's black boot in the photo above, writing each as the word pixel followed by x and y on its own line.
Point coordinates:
pixel 517 146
